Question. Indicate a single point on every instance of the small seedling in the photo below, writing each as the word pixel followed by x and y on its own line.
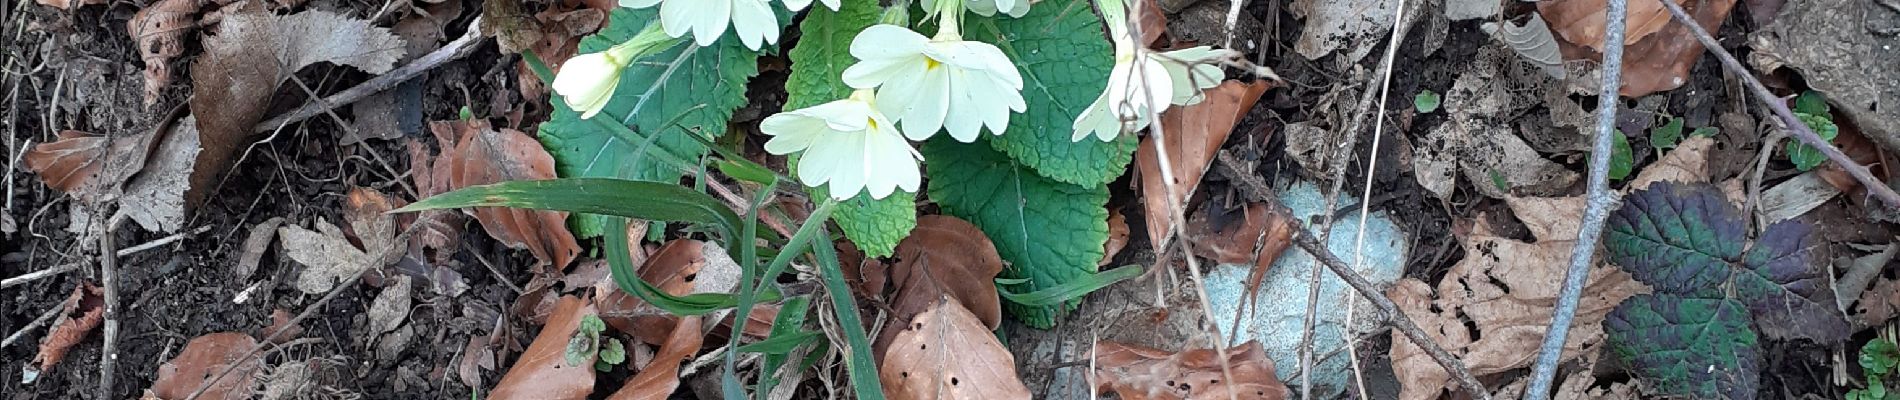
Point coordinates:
pixel 587 343
pixel 1667 136
pixel 1877 360
pixel 1813 111
pixel 1622 159
pixel 1425 102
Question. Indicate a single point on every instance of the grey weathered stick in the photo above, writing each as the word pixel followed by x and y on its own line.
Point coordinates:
pixel 63 268
pixel 109 277
pixel 37 322
pixel 1304 238
pixel 1600 199
pixel 1795 126
pixel 449 52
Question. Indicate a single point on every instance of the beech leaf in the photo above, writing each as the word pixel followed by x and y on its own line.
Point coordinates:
pixel 205 357
pixel 543 372
pixel 943 257
pixel 480 155
pixel 1140 373
pixel 946 352
pixel 661 377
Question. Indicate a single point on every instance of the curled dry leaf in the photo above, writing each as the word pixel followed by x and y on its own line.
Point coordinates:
pixel 203 358
pixel 82 312
pixel 661 377
pixel 1688 162
pixel 1117 236
pixel 1659 51
pixel 1503 289
pixel 481 155
pixel 1195 133
pixel 160 31
pixel 69 4
pixel 1140 373
pixel 329 254
pixel 947 353
pixel 944 256
pixel 281 320
pixel 438 232
pixel 91 167
pixel 477 357
pixel 254 52
pixel 543 372
pixel 1228 237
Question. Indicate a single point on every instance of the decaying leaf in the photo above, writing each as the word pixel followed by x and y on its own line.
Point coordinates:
pixel 1688 162
pixel 560 29
pixel 673 269
pixel 155 198
pixel 254 246
pixel 1659 51
pixel 947 353
pixel 391 307
pixel 1532 41
pixel 438 232
pixel 83 311
pixel 1227 238
pixel 543 371
pixel 1352 25
pixel 253 53
pixel 203 358
pixel 1503 289
pixel 160 31
pixel 481 155
pixel 1880 303
pixel 659 379
pixel 1117 236
pixel 328 254
pixel 477 357
pixel 944 256
pixel 69 4
pixel 1140 373
pixel 1194 133
pixel 1815 37
pixel 281 320
pixel 90 167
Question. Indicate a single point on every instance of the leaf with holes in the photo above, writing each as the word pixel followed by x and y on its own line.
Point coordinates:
pixel 947 353
pixel 1693 347
pixel 1686 239
pixel 697 86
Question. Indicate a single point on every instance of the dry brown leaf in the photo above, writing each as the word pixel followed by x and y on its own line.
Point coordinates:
pixel 947 353
pixel 1140 373
pixel 558 30
pixel 868 276
pixel 1194 134
pixel 281 320
pixel 203 358
pixel 1581 21
pixel 83 311
pixel 1656 60
pixel 1117 236
pixel 673 269
pixel 329 254
pixel 254 246
pixel 542 372
pixel 944 256
pixel 160 31
pixel 253 53
pixel 1503 289
pixel 481 155
pixel 1857 147
pixel 476 357
pixel 1880 303
pixel 1226 236
pixel 92 168
pixel 659 379
pixel 1688 162
pixel 1154 22
pixel 439 232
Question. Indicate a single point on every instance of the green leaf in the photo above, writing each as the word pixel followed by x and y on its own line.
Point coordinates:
pixel 1050 232
pixel 612 353
pixel 1064 58
pixel 1687 347
pixel 1666 136
pixel 1811 102
pixel 1807 157
pixel 791 319
pixel 818 63
pixel 1687 240
pixel 1706 131
pixel 632 199
pixel 1622 161
pixel 1879 356
pixel 1072 290
pixel 699 85
pixel 858 359
pixel 1425 102
pixel 780 343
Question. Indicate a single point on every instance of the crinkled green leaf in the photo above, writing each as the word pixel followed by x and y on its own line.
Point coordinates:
pixel 1811 102
pixel 1064 58
pixel 1706 131
pixel 1686 239
pixel 1687 347
pixel 701 86
pixel 1807 157
pixel 1666 136
pixel 818 63
pixel 1050 232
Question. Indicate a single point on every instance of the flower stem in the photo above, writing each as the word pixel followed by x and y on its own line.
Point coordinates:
pixel 651 40
pixel 949 17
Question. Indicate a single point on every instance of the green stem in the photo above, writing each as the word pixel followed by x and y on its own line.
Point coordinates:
pixel 858 359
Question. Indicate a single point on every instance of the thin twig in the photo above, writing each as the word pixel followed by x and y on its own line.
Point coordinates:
pixel 1305 239
pixel 1595 212
pixel 1753 199
pixel 37 322
pixel 1175 209
pixel 1341 157
pixel 449 52
pixel 63 268
pixel 1365 198
pixel 389 256
pixel 109 277
pixel 1795 126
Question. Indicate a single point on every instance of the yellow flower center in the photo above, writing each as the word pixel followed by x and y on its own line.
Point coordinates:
pixel 931 63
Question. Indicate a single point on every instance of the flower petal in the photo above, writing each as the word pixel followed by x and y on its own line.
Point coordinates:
pixel 753 20
pixel 710 20
pixel 924 115
pixel 638 3
pixel 871 73
pixel 888 41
